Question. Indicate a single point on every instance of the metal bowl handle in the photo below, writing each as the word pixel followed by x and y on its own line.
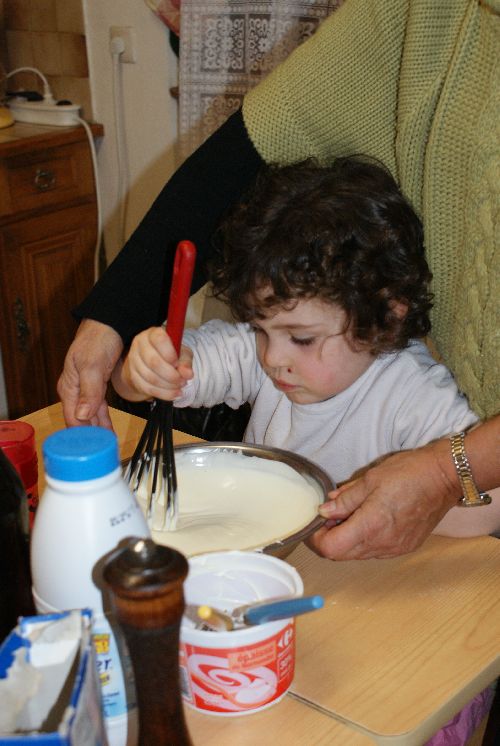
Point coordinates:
pixel 306 532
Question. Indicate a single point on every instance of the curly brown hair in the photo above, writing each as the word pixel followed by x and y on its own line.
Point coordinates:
pixel 343 233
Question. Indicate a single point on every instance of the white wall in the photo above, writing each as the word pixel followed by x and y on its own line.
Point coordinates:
pixel 150 116
pixel 150 112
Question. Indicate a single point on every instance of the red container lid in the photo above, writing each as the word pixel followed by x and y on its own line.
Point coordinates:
pixel 17 441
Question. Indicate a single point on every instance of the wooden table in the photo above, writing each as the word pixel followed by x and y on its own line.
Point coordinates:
pixel 400 646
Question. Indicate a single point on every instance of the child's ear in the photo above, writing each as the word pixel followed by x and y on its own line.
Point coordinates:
pixel 398 308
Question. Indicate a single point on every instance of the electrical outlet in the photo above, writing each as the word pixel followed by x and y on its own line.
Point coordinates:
pixel 127 34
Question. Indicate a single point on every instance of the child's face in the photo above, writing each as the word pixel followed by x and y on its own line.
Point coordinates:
pixel 307 353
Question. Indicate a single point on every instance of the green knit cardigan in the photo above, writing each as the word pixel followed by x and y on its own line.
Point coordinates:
pixel 415 83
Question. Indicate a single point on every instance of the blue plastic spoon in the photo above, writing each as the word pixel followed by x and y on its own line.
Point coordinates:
pixel 271 611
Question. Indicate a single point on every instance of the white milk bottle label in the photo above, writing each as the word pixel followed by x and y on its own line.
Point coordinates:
pixel 109 668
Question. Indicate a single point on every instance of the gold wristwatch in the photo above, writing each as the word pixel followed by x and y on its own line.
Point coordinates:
pixel 472 496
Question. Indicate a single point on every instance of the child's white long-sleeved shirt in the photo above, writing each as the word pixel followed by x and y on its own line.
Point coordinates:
pixel 403 400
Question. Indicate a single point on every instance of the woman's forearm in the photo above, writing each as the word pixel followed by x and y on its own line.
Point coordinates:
pixel 482 448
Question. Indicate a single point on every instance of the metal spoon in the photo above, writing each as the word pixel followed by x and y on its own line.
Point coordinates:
pixel 250 614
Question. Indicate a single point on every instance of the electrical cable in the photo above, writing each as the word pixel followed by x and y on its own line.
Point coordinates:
pixel 93 153
pixel 117 47
pixel 47 93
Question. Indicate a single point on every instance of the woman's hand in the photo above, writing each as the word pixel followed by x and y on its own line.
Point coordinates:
pixel 87 368
pixel 151 368
pixel 392 508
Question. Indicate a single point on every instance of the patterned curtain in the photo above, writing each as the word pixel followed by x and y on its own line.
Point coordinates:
pixel 226 47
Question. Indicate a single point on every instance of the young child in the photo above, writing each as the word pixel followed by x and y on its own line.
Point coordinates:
pixel 325 274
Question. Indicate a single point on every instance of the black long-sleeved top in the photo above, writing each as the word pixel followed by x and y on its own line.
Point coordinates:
pixel 133 292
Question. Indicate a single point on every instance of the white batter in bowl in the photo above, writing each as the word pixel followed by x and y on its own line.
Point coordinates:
pixel 235 496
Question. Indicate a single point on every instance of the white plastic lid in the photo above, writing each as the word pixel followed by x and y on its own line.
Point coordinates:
pixel 80 453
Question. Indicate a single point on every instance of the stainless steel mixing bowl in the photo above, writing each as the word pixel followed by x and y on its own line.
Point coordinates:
pixel 313 475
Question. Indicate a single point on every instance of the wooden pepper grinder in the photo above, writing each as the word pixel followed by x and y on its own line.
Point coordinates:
pixel 146 583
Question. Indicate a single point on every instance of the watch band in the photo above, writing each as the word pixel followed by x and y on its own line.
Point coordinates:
pixel 472 496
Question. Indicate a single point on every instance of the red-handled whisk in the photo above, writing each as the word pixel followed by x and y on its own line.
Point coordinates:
pixel 153 461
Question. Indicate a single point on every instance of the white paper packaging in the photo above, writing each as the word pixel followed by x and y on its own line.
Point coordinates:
pixel 49 687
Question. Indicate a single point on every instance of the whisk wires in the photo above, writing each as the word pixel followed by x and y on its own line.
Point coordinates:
pixel 151 470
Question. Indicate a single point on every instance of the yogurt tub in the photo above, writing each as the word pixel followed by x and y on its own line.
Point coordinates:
pixel 237 496
pixel 244 670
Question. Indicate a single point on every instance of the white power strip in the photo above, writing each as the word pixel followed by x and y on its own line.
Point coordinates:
pixel 39 112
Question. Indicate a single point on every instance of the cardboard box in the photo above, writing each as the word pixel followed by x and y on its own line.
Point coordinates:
pixel 49 688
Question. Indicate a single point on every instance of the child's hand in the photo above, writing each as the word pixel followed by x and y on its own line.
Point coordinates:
pixel 152 369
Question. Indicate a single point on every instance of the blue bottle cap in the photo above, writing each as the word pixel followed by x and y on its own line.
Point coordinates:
pixel 80 453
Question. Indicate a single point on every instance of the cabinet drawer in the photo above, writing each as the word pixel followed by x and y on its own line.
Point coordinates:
pixel 44 178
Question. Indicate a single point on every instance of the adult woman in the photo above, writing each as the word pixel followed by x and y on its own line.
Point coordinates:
pixel 417 86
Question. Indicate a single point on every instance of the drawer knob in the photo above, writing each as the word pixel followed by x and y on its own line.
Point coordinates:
pixel 44 179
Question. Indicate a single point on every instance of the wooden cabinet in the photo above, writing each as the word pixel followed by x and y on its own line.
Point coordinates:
pixel 48 231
